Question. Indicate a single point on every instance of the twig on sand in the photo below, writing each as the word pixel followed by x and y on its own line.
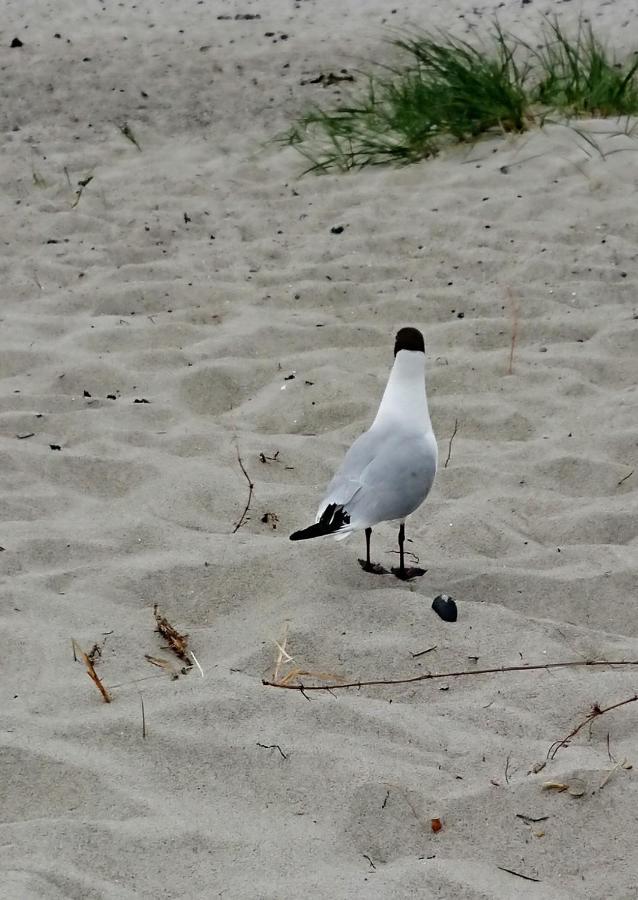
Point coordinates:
pixel 423 652
pixel 595 711
pixel 164 664
pixel 81 185
pixel 125 129
pixel 449 447
pixel 431 676
pixel 143 716
pixel 514 311
pixel 90 670
pixel 251 488
pixel 622 480
pixel 272 747
pixel 518 874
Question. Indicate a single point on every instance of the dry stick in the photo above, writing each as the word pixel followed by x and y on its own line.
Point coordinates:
pixel 423 652
pixel 596 711
pixel 431 676
pixel 126 131
pixel 78 194
pixel 622 480
pixel 272 747
pixel 514 308
pixel 251 488
pixel 165 664
pixel 143 717
pixel 518 874
pixel 90 671
pixel 449 449
pixel 507 768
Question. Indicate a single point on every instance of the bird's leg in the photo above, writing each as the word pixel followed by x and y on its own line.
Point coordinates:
pixel 403 573
pixel 368 566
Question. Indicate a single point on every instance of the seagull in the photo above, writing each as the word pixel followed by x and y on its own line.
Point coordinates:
pixel 388 472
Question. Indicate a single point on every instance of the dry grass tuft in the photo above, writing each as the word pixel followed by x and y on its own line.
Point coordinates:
pixel 177 642
pixel 284 659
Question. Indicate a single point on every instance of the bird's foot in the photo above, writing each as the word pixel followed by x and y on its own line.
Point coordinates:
pixel 373 568
pixel 407 574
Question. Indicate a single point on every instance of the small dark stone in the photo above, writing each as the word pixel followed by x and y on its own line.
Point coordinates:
pixel 55 446
pixel 445 607
pixel 111 397
pixel 16 42
pixel 336 229
pixel 86 394
pixel 141 400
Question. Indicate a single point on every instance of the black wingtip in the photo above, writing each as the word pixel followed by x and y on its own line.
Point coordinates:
pixel 332 519
pixel 409 339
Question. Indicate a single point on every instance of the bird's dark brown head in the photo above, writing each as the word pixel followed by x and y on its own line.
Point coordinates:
pixel 409 339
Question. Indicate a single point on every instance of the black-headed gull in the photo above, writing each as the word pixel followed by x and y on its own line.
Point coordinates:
pixel 389 470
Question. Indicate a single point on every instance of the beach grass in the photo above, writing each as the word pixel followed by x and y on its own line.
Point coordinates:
pixel 449 90
pixel 580 77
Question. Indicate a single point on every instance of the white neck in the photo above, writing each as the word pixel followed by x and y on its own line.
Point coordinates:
pixel 404 397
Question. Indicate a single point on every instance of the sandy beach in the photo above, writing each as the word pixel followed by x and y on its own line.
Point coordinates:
pixel 181 315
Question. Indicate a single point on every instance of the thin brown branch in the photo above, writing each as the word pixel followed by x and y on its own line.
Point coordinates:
pixel 431 676
pixel 622 480
pixel 595 711
pixel 90 671
pixel 449 448
pixel 251 488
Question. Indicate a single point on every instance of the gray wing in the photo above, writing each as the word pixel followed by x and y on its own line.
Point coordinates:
pixel 385 475
pixel 347 479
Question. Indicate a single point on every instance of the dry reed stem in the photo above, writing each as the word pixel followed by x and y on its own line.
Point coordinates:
pixel 283 658
pixel 431 676
pixel 90 671
pixel 282 655
pixel 164 664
